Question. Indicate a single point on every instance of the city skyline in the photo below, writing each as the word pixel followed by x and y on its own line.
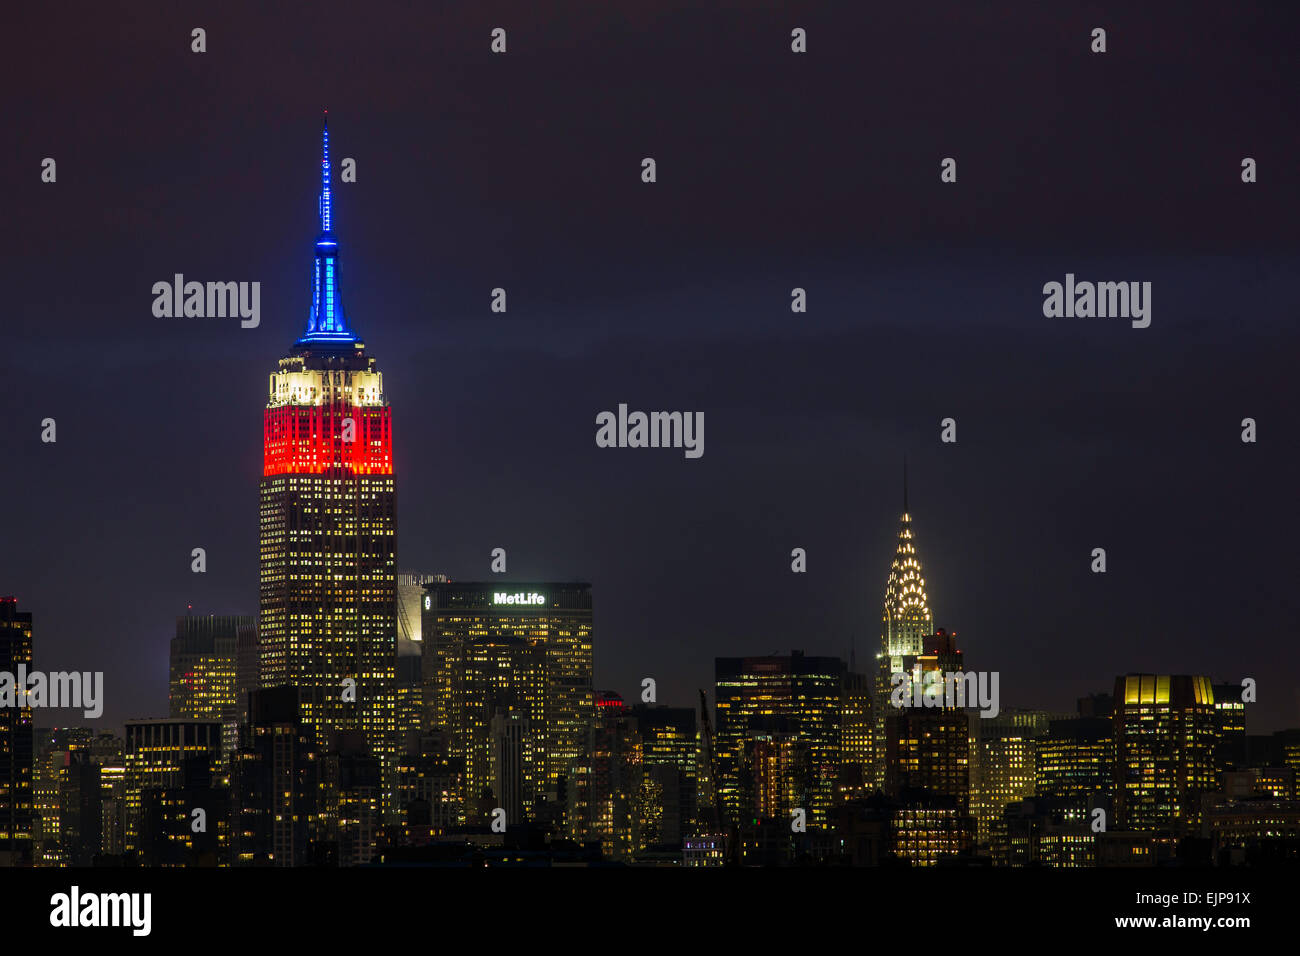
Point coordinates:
pixel 858 330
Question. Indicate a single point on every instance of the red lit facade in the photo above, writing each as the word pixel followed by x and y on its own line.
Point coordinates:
pixel 308 440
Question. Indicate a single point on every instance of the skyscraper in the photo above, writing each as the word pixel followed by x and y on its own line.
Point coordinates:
pixel 16 741
pixel 159 755
pixel 905 623
pixel 778 715
pixel 203 666
pixel 1165 734
pixel 670 749
pixel 1230 711
pixel 1003 763
pixel 510 646
pixel 276 784
pixel 1074 761
pixel 328 523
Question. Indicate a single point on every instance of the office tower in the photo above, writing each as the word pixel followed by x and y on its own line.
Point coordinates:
pixel 1075 760
pixel 498 678
pixel 157 755
pixel 1253 831
pixel 1165 734
pixel 202 684
pixel 410 604
pixel 408 696
pixel 857 737
pixel 1230 726
pixel 186 823
pixel 353 790
pixel 927 828
pixel 928 737
pixel 612 801
pixel 775 765
pixel 81 809
pixel 54 747
pixel 430 789
pixel 1041 832
pixel 776 699
pixel 905 623
pixel 108 753
pixel 670 757
pixel 511 761
pixel 545 629
pixel 328 521
pixel 276 782
pixel 248 668
pixel 1286 744
pixel 1004 763
pixel 17 759
pixel 929 750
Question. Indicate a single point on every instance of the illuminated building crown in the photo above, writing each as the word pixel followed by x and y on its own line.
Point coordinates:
pixel 326 324
pixel 907 616
pixel 905 592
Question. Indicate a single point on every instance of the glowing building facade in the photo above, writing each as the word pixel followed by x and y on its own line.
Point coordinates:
pixel 328 521
pixel 1166 729
pixel 905 624
pixel 522 652
pixel 1003 768
pixel 779 732
pixel 162 755
pixel 203 672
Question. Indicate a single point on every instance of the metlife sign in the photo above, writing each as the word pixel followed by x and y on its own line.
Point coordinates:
pixel 519 597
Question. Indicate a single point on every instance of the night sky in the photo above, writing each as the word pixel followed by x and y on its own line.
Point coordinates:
pixel 775 170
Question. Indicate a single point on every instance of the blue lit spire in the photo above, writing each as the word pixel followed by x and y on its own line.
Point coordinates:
pixel 326 324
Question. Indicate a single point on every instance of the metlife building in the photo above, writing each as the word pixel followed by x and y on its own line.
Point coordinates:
pixel 462 621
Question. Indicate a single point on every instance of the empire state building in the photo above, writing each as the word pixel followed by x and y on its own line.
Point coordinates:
pixel 328 519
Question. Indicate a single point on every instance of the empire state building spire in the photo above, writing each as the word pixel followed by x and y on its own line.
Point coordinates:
pixel 326 323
